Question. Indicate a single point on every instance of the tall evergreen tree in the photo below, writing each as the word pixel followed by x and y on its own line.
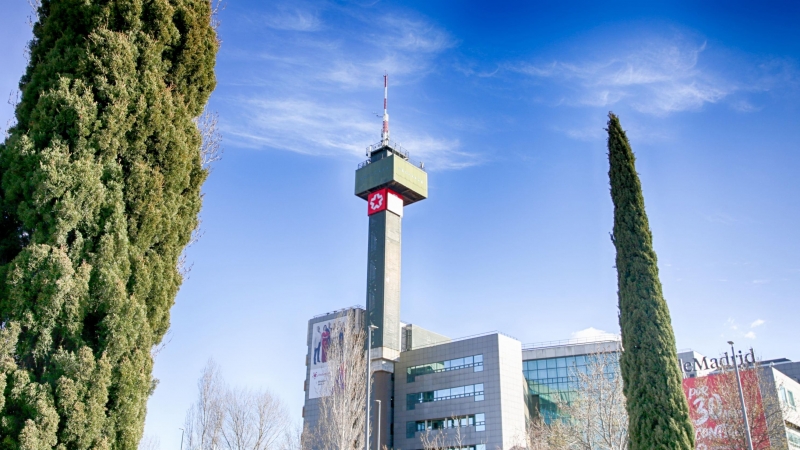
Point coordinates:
pixel 99 193
pixel 658 413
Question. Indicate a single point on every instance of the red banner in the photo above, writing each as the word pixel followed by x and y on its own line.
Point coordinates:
pixel 716 412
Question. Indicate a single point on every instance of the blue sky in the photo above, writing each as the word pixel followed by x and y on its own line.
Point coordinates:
pixel 506 103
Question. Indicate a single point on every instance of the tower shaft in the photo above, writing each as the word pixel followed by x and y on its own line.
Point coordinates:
pixel 383 280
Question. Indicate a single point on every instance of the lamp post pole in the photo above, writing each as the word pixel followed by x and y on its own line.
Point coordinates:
pixel 369 379
pixel 741 398
pixel 378 441
pixel 182 433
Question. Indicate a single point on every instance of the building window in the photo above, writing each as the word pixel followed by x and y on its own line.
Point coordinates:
pixel 791 399
pixel 475 361
pixel 793 437
pixel 554 380
pixel 476 420
pixel 480 422
pixel 472 390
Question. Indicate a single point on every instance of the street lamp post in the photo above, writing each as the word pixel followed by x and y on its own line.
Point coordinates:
pixel 378 441
pixel 369 378
pixel 741 398
pixel 182 433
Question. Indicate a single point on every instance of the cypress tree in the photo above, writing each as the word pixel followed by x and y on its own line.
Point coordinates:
pixel 99 193
pixel 658 413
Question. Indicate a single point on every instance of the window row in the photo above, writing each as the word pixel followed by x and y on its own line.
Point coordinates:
pixel 477 420
pixel 474 390
pixel 564 372
pixel 551 387
pixel 475 361
pixel 560 362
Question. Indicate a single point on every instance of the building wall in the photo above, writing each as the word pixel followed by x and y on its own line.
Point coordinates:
pixel 790 369
pixel 311 405
pixel 503 398
pixel 788 392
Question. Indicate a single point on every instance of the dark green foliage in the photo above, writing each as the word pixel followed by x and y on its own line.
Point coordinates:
pixel 99 193
pixel 657 410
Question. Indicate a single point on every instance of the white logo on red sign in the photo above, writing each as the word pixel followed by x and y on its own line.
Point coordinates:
pixel 376 201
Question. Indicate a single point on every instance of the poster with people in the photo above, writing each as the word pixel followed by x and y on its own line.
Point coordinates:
pixel 321 339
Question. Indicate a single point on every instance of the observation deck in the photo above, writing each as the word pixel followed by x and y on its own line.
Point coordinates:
pixel 389 166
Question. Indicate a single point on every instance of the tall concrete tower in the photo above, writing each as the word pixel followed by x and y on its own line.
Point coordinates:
pixel 388 181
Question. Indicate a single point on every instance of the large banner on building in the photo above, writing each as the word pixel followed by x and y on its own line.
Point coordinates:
pixel 321 338
pixel 716 412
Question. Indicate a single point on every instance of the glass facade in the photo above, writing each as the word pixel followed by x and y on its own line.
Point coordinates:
pixel 553 380
pixel 477 420
pixel 472 390
pixel 475 361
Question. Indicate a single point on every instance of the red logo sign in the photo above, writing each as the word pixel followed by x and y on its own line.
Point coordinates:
pixel 376 201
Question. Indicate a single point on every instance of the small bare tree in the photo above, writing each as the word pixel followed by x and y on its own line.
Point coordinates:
pixel 592 417
pixel 235 419
pixel 149 443
pixel 292 438
pixel 433 440
pixel 205 419
pixel 253 420
pixel 764 410
pixel 211 138
pixel 543 436
pixel 454 433
pixel 341 411
pixel 449 436
pixel 597 413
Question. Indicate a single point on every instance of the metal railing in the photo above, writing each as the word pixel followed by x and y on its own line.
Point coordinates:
pixel 395 148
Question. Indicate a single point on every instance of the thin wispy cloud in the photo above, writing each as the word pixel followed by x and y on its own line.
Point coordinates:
pixel 301 126
pixel 413 35
pixel 307 95
pixel 309 128
pixel 292 20
pixel 757 323
pixel 658 78
pixel 596 132
pixel 750 335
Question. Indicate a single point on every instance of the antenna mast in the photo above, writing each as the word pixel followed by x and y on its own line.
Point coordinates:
pixel 385 131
